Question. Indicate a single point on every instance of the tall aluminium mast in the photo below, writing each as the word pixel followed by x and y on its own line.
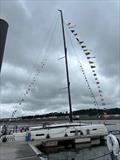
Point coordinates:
pixel 67 72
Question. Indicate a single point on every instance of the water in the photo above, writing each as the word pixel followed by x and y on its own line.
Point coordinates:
pixel 91 153
pixel 82 154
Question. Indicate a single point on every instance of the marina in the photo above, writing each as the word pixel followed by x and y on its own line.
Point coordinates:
pixel 59 130
pixel 52 150
pixel 54 106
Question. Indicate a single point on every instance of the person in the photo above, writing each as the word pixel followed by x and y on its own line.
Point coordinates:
pixel 4 133
pixel 4 130
pixel 28 135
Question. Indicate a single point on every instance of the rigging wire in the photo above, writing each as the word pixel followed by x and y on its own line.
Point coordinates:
pixel 84 74
pixel 37 71
pixel 87 53
pixel 100 156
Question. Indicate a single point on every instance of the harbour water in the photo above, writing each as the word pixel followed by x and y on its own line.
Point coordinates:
pixel 99 152
pixel 90 153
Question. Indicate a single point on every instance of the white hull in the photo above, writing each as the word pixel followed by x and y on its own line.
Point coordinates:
pixel 62 130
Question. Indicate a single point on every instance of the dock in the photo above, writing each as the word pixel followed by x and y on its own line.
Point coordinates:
pixel 17 151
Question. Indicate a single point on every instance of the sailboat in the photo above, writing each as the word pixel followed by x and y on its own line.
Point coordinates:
pixel 69 129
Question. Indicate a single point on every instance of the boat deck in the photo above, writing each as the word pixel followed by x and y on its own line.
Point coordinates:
pixel 17 151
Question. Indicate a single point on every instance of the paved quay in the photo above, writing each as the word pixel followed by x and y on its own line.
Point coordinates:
pixel 17 151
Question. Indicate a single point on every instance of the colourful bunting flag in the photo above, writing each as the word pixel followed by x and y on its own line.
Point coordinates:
pixel 83 46
pixel 90 57
pixel 85 50
pixel 90 62
pixel 87 53
pixel 69 24
pixel 81 42
pixel 75 34
pixel 92 66
pixel 97 82
pixel 77 39
pixel 72 31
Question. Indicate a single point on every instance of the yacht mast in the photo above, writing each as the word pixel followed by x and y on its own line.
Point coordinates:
pixel 67 72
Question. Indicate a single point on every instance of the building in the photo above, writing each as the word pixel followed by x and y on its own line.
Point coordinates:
pixel 3 34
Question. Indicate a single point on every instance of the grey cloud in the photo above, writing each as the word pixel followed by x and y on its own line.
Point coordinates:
pixel 35 35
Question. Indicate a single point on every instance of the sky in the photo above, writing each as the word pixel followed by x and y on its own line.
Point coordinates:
pixel 31 70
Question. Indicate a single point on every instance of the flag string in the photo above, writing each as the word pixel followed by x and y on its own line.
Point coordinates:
pixel 89 59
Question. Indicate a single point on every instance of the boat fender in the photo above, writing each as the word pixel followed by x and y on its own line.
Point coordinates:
pixel 4 139
pixel 112 144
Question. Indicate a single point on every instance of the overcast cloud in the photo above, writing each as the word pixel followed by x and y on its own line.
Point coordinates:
pixel 34 35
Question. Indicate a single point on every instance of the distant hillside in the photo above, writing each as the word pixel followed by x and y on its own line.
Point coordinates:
pixel 94 111
pixel 82 114
pixel 89 112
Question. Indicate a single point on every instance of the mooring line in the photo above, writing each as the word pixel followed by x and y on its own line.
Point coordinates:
pixel 30 157
pixel 100 156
